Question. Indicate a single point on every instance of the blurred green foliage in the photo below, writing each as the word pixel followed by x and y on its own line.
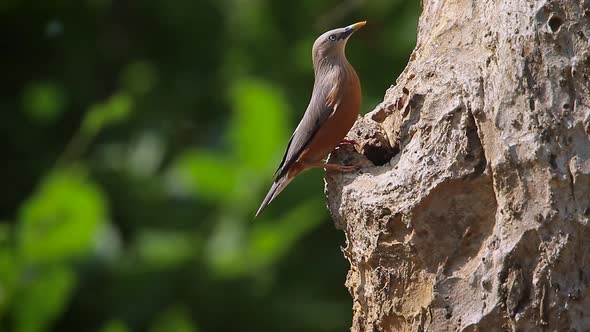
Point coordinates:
pixel 139 137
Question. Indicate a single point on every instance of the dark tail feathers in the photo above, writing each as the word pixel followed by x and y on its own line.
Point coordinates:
pixel 275 189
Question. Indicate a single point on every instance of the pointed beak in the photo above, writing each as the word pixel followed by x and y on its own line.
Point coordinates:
pixel 351 28
pixel 358 25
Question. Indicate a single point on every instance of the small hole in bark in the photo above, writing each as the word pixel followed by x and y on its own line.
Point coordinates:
pixel 566 106
pixel 380 155
pixel 555 23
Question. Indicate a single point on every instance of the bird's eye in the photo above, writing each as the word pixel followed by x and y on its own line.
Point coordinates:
pixel 332 37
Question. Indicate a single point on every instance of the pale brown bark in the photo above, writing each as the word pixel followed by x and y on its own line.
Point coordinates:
pixel 473 212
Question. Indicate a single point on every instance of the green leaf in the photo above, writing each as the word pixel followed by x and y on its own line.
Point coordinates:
pixel 233 252
pixel 61 219
pixel 259 123
pixel 206 174
pixel 114 111
pixel 165 249
pixel 42 299
pixel 44 101
pixel 269 241
pixel 175 319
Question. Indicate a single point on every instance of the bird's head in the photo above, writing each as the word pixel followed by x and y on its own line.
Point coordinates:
pixel 333 42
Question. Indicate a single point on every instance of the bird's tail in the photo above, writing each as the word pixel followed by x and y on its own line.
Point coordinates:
pixel 276 188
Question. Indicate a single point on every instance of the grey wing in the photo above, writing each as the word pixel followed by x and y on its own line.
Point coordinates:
pixel 320 108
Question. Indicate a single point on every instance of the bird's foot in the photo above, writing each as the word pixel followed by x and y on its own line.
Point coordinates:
pixel 352 142
pixel 349 168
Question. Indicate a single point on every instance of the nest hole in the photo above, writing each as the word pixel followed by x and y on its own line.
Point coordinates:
pixel 555 22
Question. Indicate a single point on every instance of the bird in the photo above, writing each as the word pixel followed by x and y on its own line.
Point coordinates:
pixel 333 109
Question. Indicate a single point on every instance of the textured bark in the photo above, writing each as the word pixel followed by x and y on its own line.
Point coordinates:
pixel 472 214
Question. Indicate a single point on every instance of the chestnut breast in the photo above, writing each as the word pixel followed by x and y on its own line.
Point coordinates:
pixel 347 104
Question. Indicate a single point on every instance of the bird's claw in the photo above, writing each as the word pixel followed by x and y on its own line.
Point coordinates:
pixel 354 143
pixel 345 168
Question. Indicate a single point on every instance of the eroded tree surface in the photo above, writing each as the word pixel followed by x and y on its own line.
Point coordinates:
pixel 474 212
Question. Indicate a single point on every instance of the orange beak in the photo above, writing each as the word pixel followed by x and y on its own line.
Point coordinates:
pixel 357 26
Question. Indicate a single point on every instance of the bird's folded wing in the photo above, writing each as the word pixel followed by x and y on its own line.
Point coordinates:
pixel 321 106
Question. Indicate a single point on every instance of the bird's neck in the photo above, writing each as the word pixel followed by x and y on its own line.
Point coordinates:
pixel 332 64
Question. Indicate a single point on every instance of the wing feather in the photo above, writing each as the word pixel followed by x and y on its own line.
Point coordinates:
pixel 321 106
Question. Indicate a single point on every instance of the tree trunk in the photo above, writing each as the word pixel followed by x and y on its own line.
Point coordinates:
pixel 473 214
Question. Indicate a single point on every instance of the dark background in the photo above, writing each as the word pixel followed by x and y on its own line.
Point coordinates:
pixel 138 139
